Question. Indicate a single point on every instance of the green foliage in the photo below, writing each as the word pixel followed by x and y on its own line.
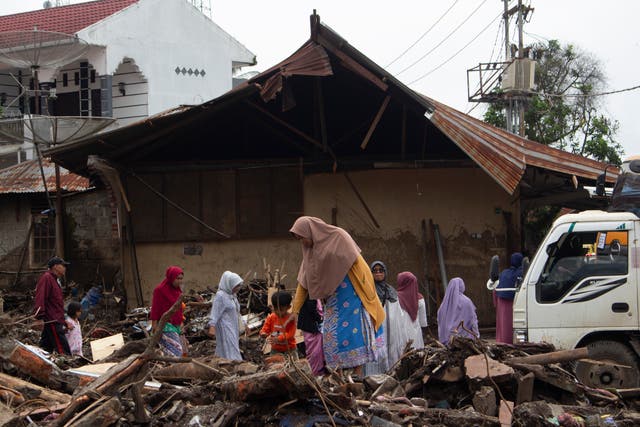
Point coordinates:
pixel 563 113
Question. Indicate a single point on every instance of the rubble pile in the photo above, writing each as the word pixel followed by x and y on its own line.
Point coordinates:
pixel 468 383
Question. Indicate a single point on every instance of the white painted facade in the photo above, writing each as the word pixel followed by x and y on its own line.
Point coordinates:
pixel 155 55
pixel 161 36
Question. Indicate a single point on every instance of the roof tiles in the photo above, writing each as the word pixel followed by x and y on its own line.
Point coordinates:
pixel 64 19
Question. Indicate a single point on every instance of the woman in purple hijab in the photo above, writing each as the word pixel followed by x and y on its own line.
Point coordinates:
pixel 456 308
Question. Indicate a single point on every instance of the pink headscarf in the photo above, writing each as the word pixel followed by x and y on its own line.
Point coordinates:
pixel 408 293
pixel 165 294
pixel 329 260
pixel 456 307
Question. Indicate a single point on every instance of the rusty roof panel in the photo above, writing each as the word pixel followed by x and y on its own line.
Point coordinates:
pixel 26 178
pixel 505 156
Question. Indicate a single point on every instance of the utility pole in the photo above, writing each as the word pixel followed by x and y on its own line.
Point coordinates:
pixel 509 82
pixel 507 58
pixel 521 99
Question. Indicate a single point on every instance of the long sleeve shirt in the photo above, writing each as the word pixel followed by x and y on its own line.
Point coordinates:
pixel 285 337
pixel 49 303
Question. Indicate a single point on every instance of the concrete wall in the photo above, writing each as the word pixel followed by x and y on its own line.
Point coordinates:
pixel 465 203
pixel 91 243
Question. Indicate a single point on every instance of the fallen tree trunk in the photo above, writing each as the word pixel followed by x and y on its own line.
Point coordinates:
pixel 29 363
pixel 270 384
pixel 553 357
pixel 33 391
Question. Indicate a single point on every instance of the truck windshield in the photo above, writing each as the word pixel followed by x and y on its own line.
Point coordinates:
pixel 578 256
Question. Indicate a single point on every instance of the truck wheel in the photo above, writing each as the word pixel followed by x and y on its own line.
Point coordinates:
pixel 607 376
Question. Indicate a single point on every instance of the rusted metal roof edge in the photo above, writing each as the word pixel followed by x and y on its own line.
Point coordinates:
pixel 26 178
pixel 505 173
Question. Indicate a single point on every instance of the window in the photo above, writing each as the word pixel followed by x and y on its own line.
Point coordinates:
pixel 43 240
pixel 579 256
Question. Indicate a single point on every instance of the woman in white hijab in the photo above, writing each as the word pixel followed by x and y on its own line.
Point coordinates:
pixel 225 316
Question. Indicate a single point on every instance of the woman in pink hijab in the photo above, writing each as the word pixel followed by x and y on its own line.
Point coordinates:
pixel 413 304
pixel 332 270
pixel 456 311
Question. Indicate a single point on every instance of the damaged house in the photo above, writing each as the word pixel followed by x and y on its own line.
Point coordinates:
pixel 327 133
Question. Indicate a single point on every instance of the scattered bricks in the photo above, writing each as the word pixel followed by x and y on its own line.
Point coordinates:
pixel 484 401
pixel 476 367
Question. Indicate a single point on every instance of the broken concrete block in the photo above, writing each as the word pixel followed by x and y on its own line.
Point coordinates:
pixel 484 401
pixel 506 413
pixel 476 367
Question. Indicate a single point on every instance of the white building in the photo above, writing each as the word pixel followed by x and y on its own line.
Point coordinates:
pixel 144 57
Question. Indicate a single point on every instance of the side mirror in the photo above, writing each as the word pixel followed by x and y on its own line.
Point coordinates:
pixel 494 268
pixel 600 181
pixel 634 166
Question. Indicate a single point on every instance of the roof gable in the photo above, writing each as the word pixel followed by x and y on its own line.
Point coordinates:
pixel 64 19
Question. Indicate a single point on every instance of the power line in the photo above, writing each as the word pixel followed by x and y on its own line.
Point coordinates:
pixel 422 36
pixel 445 39
pixel 588 95
pixel 460 50
pixel 495 42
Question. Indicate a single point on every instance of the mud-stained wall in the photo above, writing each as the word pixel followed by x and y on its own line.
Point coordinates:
pixel 204 270
pixel 466 204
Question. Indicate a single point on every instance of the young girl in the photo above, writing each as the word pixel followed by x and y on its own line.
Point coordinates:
pixel 74 332
pixel 225 316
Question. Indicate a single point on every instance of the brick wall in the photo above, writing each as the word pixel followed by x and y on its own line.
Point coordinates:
pixel 91 239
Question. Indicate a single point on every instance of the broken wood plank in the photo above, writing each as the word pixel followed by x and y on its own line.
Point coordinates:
pixel 375 121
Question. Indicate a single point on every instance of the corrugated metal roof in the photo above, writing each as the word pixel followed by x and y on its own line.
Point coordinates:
pixel 505 156
pixel 64 19
pixel 26 178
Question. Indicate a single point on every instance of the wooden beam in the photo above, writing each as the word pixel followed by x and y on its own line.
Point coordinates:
pixel 359 196
pixel 403 137
pixel 285 124
pixel 320 111
pixel 375 121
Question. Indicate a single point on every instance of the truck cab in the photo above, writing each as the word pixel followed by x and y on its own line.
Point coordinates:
pixel 581 288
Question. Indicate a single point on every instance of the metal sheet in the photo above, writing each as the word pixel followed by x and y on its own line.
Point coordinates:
pixel 26 178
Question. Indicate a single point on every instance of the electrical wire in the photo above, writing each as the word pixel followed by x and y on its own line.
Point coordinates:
pixel 444 39
pixel 459 50
pixel 588 95
pixel 423 35
pixel 495 42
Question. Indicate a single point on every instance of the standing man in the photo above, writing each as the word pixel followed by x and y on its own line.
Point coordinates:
pixel 49 307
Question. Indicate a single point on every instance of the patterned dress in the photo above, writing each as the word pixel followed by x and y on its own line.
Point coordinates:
pixel 74 337
pixel 349 339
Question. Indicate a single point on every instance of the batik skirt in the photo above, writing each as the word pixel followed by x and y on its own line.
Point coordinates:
pixel 349 339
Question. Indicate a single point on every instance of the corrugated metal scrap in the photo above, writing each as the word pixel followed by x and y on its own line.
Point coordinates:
pixel 26 178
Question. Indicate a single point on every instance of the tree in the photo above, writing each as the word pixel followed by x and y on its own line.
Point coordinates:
pixel 564 113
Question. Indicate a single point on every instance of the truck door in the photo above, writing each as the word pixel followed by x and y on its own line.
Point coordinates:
pixel 583 282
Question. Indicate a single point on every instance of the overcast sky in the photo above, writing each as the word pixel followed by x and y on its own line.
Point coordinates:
pixel 383 30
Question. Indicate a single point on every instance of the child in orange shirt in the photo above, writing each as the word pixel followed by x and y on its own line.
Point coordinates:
pixel 281 337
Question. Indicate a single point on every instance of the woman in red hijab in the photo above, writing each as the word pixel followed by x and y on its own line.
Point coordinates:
pixel 164 296
pixel 413 304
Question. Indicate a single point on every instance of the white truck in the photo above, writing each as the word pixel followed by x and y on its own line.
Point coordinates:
pixel 582 287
